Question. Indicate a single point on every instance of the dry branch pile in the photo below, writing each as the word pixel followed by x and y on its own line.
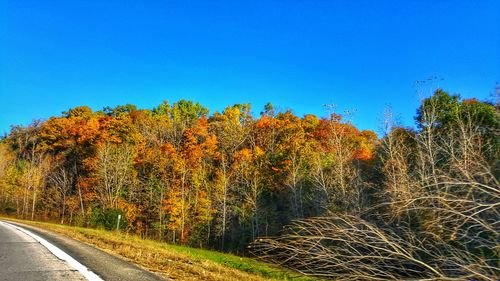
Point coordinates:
pixel 435 215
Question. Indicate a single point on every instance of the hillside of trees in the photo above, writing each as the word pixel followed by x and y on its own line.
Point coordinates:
pixel 313 194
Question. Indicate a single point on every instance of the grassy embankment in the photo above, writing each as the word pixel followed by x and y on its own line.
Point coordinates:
pixel 173 261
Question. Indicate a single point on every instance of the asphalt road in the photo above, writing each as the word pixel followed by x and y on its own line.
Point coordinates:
pixel 22 257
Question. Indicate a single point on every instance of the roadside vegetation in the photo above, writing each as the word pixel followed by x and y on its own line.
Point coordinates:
pixel 315 195
pixel 174 262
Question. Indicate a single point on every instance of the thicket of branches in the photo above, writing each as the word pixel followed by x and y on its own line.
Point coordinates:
pixel 435 213
pixel 315 194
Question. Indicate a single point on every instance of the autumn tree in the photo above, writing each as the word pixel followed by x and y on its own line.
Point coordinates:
pixel 113 173
pixel 335 171
pixel 231 128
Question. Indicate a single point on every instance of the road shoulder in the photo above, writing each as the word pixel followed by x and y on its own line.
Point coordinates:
pixel 107 266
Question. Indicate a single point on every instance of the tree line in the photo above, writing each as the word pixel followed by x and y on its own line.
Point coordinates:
pixel 177 174
pixel 313 194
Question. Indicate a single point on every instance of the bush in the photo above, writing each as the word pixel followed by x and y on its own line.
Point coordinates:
pixel 107 219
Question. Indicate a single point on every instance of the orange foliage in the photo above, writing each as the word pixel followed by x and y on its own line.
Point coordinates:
pixel 185 166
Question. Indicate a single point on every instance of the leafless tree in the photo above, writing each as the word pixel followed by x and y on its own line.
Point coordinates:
pixel 334 172
pixel 62 179
pixel 114 172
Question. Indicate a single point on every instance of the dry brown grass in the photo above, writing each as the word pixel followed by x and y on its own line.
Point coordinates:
pixel 170 261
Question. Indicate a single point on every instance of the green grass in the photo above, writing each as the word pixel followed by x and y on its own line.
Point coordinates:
pixel 241 263
pixel 175 261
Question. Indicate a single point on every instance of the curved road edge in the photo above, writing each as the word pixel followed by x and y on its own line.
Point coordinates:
pixel 101 264
pixel 60 254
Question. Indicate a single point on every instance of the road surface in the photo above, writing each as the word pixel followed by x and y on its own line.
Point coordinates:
pixel 28 253
pixel 24 258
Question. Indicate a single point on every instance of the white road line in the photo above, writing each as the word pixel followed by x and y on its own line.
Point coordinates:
pixel 91 276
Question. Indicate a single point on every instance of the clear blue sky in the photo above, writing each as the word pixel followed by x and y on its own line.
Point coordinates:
pixel 361 55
